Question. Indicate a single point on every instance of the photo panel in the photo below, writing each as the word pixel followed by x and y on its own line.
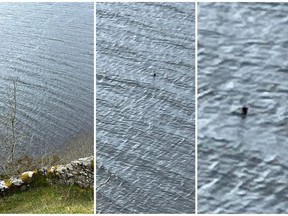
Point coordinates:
pixel 145 69
pixel 47 108
pixel 242 108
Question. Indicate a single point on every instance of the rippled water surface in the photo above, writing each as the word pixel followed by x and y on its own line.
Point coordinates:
pixel 49 47
pixel 243 50
pixel 145 124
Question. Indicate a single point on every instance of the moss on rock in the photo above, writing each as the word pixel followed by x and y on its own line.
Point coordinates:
pixel 8 183
pixel 24 177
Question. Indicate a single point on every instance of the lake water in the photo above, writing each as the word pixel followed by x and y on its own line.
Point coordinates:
pixel 145 124
pixel 242 165
pixel 49 47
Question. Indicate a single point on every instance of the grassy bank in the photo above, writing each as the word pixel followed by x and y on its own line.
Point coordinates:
pixel 49 199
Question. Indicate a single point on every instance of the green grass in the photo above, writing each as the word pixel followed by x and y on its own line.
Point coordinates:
pixel 49 199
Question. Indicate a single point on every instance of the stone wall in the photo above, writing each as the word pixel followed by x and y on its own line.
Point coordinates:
pixel 79 172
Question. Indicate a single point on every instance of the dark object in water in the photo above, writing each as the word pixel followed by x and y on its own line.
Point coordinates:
pixel 154 75
pixel 244 111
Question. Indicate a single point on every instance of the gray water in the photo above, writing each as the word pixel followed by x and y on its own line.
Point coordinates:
pixel 242 165
pixel 49 47
pixel 145 124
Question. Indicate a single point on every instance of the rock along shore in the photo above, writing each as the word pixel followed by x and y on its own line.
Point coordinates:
pixel 79 172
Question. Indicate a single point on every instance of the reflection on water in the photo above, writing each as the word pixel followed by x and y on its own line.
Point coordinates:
pixel 242 161
pixel 145 123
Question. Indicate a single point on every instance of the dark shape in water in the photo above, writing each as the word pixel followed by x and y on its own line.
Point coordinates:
pixel 244 111
pixel 154 75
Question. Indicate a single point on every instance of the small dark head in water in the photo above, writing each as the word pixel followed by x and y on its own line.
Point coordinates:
pixel 154 75
pixel 244 111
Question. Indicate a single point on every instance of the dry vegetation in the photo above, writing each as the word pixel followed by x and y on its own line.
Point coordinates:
pixel 49 199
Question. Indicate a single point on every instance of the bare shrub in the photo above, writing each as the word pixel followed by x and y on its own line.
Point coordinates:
pixel 14 157
pixel 10 132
